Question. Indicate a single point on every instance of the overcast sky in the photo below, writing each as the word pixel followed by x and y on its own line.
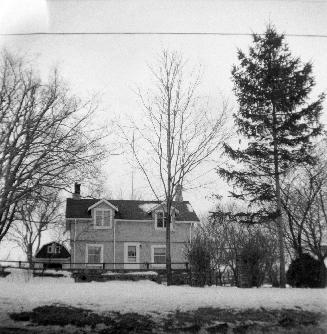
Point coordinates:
pixel 114 65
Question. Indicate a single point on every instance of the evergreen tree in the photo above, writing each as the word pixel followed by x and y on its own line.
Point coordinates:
pixel 278 122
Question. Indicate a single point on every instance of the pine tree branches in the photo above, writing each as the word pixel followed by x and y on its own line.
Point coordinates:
pixel 272 88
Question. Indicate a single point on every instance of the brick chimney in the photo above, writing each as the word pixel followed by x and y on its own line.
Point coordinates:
pixel 179 194
pixel 77 191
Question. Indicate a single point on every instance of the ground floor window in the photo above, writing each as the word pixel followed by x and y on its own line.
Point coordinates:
pixel 159 255
pixel 94 253
pixel 131 254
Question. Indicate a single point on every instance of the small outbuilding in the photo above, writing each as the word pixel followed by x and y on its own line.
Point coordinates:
pixel 52 256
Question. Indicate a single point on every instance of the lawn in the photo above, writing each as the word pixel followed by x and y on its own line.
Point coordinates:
pixel 151 307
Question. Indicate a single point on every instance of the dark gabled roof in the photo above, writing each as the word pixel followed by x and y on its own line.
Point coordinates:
pixel 43 252
pixel 128 209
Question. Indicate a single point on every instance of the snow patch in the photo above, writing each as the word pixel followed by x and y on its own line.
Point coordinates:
pixel 146 296
pixel 21 276
pixel 146 207
pixel 55 272
pixel 189 207
pixel 137 273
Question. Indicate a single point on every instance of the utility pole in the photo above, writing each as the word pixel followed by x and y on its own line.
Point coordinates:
pixel 133 148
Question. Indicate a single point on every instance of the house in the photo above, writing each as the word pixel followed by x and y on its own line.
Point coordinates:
pixel 126 234
pixel 52 255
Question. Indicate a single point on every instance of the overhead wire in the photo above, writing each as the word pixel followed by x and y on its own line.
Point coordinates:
pixel 154 33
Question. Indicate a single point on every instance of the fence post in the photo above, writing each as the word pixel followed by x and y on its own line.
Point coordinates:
pixel 186 265
pixel 103 266
pixel 19 264
pixel 147 265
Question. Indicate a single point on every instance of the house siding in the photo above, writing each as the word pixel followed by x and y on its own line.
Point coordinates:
pixel 141 232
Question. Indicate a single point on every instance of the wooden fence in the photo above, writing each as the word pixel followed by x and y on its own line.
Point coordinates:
pixel 138 266
pixel 182 272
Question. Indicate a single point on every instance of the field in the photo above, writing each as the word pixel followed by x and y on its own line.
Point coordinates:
pixel 59 305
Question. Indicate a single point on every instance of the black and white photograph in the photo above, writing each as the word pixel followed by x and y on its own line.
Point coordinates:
pixel 163 166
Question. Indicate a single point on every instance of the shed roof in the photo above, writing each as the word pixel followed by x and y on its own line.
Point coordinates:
pixel 43 253
pixel 128 209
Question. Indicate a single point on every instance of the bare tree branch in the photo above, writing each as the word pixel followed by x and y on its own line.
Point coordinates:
pixel 177 133
pixel 45 138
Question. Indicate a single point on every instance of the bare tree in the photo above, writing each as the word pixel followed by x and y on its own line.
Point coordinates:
pixel 227 237
pixel 300 195
pixel 305 203
pixel 96 187
pixel 177 135
pixel 231 240
pixel 45 137
pixel 34 217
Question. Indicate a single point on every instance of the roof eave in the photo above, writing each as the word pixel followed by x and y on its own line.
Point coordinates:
pixel 102 201
pixel 160 205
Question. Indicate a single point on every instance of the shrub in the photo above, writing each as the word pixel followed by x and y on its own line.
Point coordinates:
pixel 257 257
pixel 199 256
pixel 304 272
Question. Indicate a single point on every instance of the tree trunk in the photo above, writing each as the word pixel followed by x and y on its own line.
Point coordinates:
pixel 282 274
pixel 169 190
pixel 279 219
pixel 322 274
pixel 168 256
pixel 29 254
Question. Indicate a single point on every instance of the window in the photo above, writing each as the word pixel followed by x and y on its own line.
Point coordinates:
pixel 102 218
pixel 159 255
pixel 54 249
pixel 131 254
pixel 161 219
pixel 94 254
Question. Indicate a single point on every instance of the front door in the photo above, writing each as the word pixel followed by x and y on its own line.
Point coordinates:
pixel 131 255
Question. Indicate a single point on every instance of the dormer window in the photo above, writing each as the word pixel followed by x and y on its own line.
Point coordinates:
pixel 54 249
pixel 160 220
pixel 103 218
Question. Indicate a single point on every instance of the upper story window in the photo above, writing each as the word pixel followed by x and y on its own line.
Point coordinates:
pixel 102 218
pixel 54 249
pixel 161 219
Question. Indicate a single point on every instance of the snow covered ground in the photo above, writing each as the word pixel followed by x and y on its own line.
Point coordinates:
pixel 20 291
